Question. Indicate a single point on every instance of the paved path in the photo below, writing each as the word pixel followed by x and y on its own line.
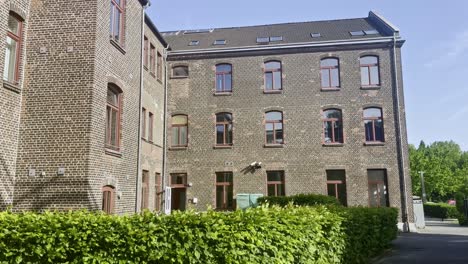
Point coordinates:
pixel 440 242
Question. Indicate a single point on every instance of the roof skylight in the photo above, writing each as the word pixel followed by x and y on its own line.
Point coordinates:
pixel 196 31
pixel 220 42
pixel 276 38
pixel 194 43
pixel 357 33
pixel 371 32
pixel 263 39
pixel 315 35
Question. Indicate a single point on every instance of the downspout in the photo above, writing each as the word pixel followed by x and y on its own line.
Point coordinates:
pixel 401 158
pixel 137 192
pixel 164 165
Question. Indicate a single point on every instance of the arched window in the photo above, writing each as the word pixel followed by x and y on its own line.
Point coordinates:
pixel 273 79
pixel 180 71
pixel 108 199
pixel 373 124
pixel 332 126
pixel 114 104
pixel 117 20
pixel 13 50
pixel 369 71
pixel 330 73
pixel 179 131
pixel 223 78
pixel 224 129
pixel 274 127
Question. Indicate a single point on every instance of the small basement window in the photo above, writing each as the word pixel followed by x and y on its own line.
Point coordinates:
pixel 194 43
pixel 220 42
pixel 357 33
pixel 180 71
pixel 276 38
pixel 315 35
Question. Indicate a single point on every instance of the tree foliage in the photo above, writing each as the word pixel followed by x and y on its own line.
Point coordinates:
pixel 445 168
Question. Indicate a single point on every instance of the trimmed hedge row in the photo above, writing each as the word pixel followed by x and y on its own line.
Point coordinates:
pixel 440 210
pixel 260 235
pixel 462 220
pixel 300 199
pixel 263 235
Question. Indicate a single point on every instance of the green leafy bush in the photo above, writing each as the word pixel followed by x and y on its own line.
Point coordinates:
pixel 440 210
pixel 261 235
pixel 300 199
pixel 462 220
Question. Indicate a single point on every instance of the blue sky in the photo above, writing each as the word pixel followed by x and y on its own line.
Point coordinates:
pixel 435 56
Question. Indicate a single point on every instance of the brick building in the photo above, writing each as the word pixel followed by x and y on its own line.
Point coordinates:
pixel 268 110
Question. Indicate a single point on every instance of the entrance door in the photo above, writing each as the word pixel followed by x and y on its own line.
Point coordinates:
pixel 179 197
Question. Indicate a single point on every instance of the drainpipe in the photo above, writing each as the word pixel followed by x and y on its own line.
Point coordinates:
pixel 164 165
pixel 401 158
pixel 140 106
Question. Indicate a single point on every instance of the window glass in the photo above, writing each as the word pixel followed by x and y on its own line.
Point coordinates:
pixel 272 65
pixel 180 71
pixel 271 116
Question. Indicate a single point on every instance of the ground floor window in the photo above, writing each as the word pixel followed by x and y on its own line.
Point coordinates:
pixel 378 191
pixel 224 191
pixel 336 185
pixel 179 191
pixel 145 190
pixel 157 191
pixel 108 199
pixel 275 183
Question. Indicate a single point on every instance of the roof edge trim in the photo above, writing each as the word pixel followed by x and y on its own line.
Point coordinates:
pixel 155 30
pixel 383 20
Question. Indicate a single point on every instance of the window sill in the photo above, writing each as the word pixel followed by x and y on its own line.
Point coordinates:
pixel 223 93
pixel 333 144
pixel 179 77
pixel 333 89
pixel 273 91
pixel 12 87
pixel 273 146
pixel 118 46
pixel 371 87
pixel 114 153
pixel 374 143
pixel 222 147
pixel 178 148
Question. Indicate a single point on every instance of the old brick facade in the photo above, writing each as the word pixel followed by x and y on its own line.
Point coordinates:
pixel 54 124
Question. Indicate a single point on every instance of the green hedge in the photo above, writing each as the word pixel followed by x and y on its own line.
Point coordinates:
pixel 300 199
pixel 462 220
pixel 263 235
pixel 440 210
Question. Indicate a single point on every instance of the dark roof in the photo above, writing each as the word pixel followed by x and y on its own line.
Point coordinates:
pixel 155 30
pixel 330 30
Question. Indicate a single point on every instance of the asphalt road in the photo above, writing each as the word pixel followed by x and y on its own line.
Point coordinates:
pixel 439 242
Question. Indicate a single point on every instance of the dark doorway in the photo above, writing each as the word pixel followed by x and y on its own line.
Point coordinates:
pixel 179 196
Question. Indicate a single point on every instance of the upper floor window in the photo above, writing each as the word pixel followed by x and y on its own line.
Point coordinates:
pixel 117 20
pixel 108 199
pixel 152 60
pixel 274 127
pixel 223 78
pixel 113 117
pixel 370 71
pixel 143 122
pixel 159 66
pixel 373 124
pixel 273 79
pixel 224 129
pixel 275 183
pixel 13 46
pixel 330 73
pixel 180 71
pixel 150 126
pixel 332 126
pixel 145 52
pixel 179 131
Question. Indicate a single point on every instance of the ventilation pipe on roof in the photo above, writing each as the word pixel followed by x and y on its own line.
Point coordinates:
pixel 138 178
pixel 401 157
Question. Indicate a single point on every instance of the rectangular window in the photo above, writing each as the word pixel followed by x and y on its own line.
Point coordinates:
pixel 336 185
pixel 143 123
pixel 117 20
pixel 378 191
pixel 159 66
pixel 179 128
pixel 12 53
pixel 150 126
pixel 152 59
pixel 178 180
pixel 113 118
pixel 145 190
pixel 145 53
pixel 224 191
pixel 224 129
pixel 275 183
pixel 157 191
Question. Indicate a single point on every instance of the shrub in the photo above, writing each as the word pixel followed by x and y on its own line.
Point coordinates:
pixel 462 220
pixel 440 210
pixel 261 235
pixel 300 199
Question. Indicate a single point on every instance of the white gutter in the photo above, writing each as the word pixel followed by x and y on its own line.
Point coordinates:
pixel 138 179
pixel 286 46
pixel 164 165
